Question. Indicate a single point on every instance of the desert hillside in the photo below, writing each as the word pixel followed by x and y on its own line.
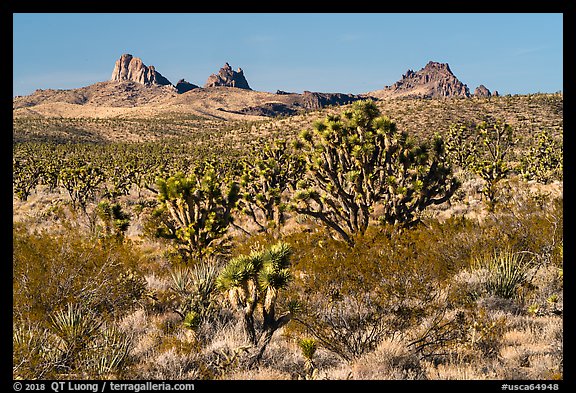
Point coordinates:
pixel 179 232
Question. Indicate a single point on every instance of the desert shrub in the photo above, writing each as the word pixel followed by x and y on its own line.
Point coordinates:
pixel 170 364
pixel 76 343
pixel 52 270
pixel 354 297
pixel 34 351
pixel 391 360
pixel 531 222
pixel 196 295
pixel 485 332
pixel 68 290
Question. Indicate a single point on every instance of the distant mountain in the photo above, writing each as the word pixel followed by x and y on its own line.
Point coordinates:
pixel 226 93
pixel 130 68
pixel 435 80
pixel 229 78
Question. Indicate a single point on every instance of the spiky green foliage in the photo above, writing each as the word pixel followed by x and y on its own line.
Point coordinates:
pixel 195 287
pixel 266 178
pixel 544 160
pixel 34 352
pixel 358 159
pixel 507 271
pixel 115 221
pixel 199 209
pixel 76 340
pixel 192 320
pixel 484 151
pixel 110 351
pixel 75 326
pixel 308 347
pixel 82 183
pixel 256 279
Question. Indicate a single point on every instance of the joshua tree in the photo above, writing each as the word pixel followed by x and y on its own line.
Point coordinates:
pixel 265 180
pixel 485 150
pixel 308 347
pixel 115 220
pixel 358 159
pixel 82 182
pixel 256 279
pixel 543 162
pixel 199 209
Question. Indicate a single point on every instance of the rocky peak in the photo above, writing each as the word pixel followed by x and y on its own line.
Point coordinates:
pixel 482 91
pixel 229 78
pixel 183 86
pixel 130 68
pixel 434 80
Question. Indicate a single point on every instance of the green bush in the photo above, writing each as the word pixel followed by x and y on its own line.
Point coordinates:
pixel 51 270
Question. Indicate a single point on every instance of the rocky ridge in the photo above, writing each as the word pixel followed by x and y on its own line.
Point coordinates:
pixel 482 91
pixel 433 81
pixel 130 68
pixel 135 85
pixel 229 78
pixel 183 86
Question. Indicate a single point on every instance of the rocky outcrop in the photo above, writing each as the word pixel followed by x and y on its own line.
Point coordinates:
pixel 183 86
pixel 130 68
pixel 314 101
pixel 482 91
pixel 270 109
pixel 229 78
pixel 433 81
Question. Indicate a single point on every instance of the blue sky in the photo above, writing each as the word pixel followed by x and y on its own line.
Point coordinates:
pixel 327 52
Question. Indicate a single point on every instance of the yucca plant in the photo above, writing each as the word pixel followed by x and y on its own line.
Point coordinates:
pixel 195 287
pixel 308 347
pixel 76 327
pixel 33 354
pixel 506 272
pixel 110 351
pixel 192 320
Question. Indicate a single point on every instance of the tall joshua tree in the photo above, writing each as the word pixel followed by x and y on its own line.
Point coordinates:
pixel 358 159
